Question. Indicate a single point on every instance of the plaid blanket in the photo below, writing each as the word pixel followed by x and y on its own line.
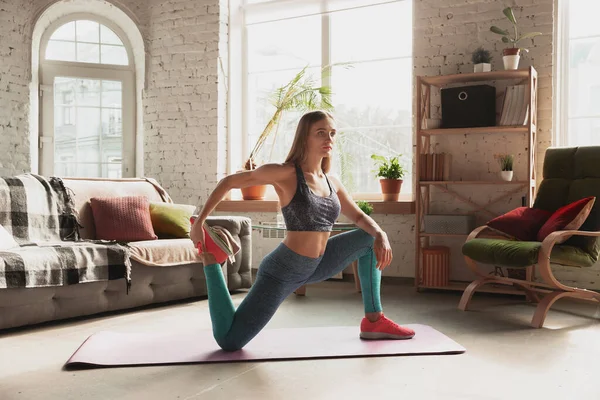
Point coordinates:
pixel 40 214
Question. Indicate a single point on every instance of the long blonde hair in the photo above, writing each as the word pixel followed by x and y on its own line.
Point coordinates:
pixel 297 153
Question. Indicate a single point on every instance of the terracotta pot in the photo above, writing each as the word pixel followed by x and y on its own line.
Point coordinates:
pixel 390 188
pixel 254 192
pixel 511 51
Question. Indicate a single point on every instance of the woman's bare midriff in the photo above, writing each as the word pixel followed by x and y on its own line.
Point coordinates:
pixel 308 244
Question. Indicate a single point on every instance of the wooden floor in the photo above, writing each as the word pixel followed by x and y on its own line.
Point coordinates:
pixel 512 360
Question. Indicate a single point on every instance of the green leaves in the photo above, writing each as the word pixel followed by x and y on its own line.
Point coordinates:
pixel 510 15
pixel 506 36
pixel 499 31
pixel 389 168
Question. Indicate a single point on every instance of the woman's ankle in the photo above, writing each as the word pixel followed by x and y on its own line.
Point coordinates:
pixel 373 316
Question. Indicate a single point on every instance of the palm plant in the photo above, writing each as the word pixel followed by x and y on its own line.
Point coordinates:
pixel 301 94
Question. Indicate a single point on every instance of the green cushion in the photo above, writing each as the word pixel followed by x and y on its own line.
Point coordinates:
pixel 517 254
pixel 171 220
pixel 570 174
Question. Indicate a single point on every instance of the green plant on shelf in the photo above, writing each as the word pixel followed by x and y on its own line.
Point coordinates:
pixel 506 161
pixel 365 206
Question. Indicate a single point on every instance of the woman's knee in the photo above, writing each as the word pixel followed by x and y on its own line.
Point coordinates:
pixel 229 344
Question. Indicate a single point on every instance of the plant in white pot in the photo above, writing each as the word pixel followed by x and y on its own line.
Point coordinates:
pixel 506 166
pixel 481 60
pixel 512 55
pixel 391 173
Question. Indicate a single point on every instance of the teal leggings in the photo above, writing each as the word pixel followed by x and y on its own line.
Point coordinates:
pixel 279 275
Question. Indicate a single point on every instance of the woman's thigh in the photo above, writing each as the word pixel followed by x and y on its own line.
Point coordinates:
pixel 341 250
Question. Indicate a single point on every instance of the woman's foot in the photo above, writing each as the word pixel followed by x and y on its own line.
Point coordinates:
pixel 384 328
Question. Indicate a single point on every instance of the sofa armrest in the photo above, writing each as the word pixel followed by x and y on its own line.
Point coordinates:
pixel 239 273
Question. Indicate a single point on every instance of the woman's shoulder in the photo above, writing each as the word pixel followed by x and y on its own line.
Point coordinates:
pixel 277 170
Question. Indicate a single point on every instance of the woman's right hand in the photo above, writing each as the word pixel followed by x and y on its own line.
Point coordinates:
pixel 197 232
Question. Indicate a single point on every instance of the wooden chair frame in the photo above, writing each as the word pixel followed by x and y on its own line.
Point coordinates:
pixel 550 287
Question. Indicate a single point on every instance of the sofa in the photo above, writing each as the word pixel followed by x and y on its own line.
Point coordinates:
pixel 151 282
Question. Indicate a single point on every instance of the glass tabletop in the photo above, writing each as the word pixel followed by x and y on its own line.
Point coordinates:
pixel 337 227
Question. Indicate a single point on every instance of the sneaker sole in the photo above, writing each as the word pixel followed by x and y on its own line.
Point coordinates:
pixel 382 335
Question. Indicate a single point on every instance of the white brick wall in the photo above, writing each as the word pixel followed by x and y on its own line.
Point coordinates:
pixel 185 99
pixel 15 26
pixel 185 130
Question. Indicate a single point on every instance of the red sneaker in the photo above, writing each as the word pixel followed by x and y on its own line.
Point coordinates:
pixel 384 328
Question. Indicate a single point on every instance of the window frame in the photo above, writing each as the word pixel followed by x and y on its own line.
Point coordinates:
pixel 242 106
pixel 124 73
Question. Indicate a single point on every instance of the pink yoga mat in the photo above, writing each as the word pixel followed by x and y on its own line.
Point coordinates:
pixel 152 348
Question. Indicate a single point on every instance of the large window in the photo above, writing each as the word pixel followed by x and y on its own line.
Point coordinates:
pixel 579 76
pixel 368 50
pixel 87 82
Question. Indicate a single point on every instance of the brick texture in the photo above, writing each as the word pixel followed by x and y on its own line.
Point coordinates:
pixel 185 130
pixel 15 71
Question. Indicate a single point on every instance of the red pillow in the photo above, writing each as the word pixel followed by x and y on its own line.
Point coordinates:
pixel 125 219
pixel 569 217
pixel 522 223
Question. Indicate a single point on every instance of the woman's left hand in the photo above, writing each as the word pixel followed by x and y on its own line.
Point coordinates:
pixel 383 251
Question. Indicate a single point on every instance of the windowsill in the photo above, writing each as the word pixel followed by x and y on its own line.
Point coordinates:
pixel 379 207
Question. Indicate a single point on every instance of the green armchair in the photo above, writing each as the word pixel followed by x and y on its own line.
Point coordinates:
pixel 569 174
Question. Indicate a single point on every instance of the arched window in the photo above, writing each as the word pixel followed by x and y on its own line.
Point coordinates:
pixel 87 89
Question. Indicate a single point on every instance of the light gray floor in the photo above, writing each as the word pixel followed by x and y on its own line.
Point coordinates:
pixel 505 358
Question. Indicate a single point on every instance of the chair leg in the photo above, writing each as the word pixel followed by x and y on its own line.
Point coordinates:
pixel 301 291
pixel 469 291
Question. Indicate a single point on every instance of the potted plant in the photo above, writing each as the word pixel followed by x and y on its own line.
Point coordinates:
pixel 391 173
pixel 300 94
pixel 512 55
pixel 365 206
pixel 481 60
pixel 506 166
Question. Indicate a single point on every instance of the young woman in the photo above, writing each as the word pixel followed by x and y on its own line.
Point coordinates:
pixel 310 203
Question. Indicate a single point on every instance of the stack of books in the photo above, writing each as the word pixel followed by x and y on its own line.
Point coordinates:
pixel 435 166
pixel 515 108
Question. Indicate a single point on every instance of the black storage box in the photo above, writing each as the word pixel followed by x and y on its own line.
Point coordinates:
pixel 469 106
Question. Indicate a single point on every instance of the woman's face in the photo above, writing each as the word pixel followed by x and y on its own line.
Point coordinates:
pixel 321 138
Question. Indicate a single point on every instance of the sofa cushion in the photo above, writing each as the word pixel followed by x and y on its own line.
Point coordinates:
pixel 7 241
pixel 509 253
pixel 125 219
pixel 522 223
pixel 171 220
pixel 569 217
pixel 164 252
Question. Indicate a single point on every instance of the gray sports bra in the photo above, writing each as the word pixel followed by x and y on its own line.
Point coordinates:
pixel 309 212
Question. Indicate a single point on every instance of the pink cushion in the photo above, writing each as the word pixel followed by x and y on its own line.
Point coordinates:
pixel 125 219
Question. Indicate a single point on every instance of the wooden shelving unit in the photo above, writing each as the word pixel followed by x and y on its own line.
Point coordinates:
pixel 423 188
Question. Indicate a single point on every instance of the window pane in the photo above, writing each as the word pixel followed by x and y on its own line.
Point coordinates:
pixel 88 31
pixel 373 94
pixel 88 52
pixel 112 94
pixel 88 122
pixel 113 55
pixel 112 124
pixel 583 18
pixel 292 43
pixel 584 85
pixel 107 36
pixel 368 33
pixel 352 155
pixel 260 88
pixel 65 32
pixel 64 51
pixel 87 92
pixel 584 132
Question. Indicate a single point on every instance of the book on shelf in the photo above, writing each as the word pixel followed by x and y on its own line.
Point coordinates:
pixel 515 106
pixel 435 166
